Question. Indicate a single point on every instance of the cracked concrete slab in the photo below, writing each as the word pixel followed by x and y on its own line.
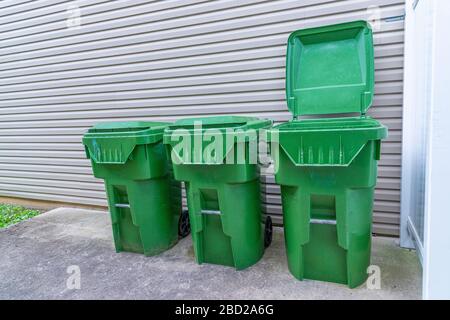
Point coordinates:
pixel 35 255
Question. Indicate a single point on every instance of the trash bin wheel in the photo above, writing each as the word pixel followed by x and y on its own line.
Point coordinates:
pixel 268 230
pixel 184 227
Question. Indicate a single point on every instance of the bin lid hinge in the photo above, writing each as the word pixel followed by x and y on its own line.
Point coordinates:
pixel 366 100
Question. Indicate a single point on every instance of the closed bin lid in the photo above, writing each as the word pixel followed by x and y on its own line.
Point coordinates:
pixel 234 129
pixel 113 142
pixel 219 123
pixel 330 69
pixel 212 122
pixel 128 128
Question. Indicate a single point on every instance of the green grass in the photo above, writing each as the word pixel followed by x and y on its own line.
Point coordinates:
pixel 11 214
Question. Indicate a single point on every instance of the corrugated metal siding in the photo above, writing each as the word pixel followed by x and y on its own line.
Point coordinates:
pixel 162 60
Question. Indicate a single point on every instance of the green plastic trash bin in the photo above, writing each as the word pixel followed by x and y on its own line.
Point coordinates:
pixel 144 199
pixel 327 167
pixel 222 186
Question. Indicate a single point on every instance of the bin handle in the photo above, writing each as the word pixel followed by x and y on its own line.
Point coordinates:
pixel 210 212
pixel 322 221
pixel 122 205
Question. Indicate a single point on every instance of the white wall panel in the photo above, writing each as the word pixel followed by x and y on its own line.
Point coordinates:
pixel 163 60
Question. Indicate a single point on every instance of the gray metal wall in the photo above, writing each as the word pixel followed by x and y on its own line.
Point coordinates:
pixel 162 60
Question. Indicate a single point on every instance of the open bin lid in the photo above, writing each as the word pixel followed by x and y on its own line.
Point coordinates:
pixel 330 69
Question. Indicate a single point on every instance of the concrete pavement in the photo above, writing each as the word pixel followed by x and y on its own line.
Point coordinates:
pixel 36 254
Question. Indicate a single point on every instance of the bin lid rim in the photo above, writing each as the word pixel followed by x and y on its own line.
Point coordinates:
pixel 217 122
pixel 116 125
pixel 329 124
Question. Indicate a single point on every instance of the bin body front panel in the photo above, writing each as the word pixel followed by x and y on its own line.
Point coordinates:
pixel 327 217
pixel 149 224
pixel 143 197
pixel 223 187
pixel 225 213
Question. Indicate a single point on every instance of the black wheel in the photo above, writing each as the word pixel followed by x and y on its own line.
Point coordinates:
pixel 184 227
pixel 268 230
